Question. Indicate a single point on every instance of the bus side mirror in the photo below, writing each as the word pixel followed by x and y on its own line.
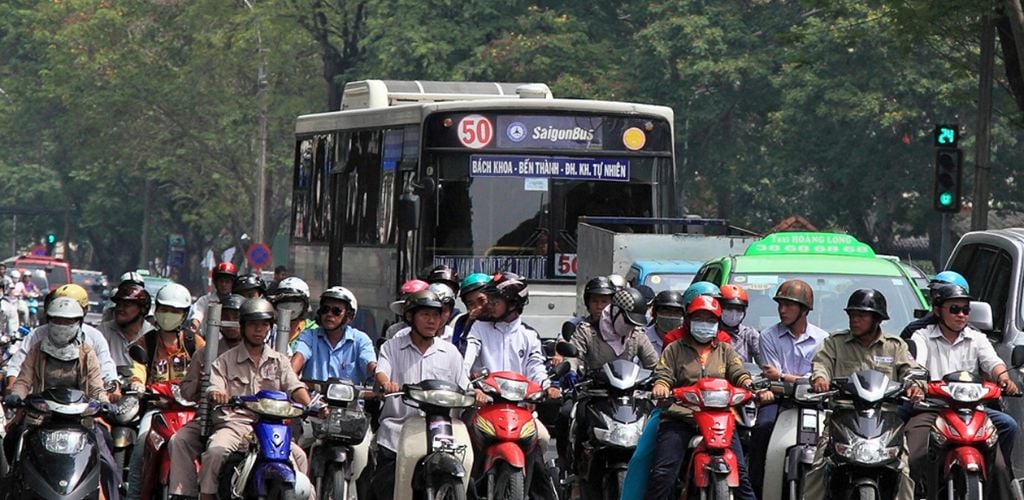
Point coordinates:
pixel 408 212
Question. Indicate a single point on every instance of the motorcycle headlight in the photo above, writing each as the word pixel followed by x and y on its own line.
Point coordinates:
pixel 444 399
pixel 341 393
pixel 867 451
pixel 512 390
pixel 619 434
pixel 715 399
pixel 63 442
pixel 274 408
pixel 964 392
pixel 125 410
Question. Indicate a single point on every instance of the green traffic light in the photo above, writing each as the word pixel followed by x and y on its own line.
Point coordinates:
pixel 51 238
pixel 946 199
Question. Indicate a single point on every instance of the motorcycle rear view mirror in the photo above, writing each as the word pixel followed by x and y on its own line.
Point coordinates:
pixel 482 374
pixel 567 330
pixel 567 350
pixel 980 316
pixel 138 354
pixel 920 373
pixel 1017 357
pixel 564 368
pixel 550 347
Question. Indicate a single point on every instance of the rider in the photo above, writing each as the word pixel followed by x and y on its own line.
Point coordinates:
pixel 9 322
pixel 131 304
pixel 409 359
pixel 619 334
pixel 334 349
pixel 943 278
pixel 127 277
pixel 223 279
pixel 242 371
pixel 861 347
pixel 697 355
pixel 597 294
pixel 951 345
pixel 230 337
pixel 250 286
pixel 668 315
pixel 787 349
pixel 170 347
pixel 441 273
pixel 407 289
pixel 745 339
pixel 472 295
pixel 292 297
pixel 24 289
pixel 698 289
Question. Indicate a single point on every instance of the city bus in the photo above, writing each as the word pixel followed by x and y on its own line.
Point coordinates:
pixel 480 176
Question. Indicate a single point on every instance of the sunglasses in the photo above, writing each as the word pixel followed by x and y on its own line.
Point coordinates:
pixel 337 311
pixel 954 309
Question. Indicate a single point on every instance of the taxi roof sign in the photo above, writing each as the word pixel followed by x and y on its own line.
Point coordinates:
pixel 810 243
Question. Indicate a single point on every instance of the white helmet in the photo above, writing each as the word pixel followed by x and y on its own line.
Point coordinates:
pixel 617 281
pixel 15 275
pixel 443 292
pixel 174 295
pixel 132 276
pixel 342 294
pixel 65 307
pixel 291 287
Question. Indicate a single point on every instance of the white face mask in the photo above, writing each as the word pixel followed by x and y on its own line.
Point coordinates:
pixel 733 317
pixel 169 321
pixel 292 308
pixel 704 332
pixel 62 335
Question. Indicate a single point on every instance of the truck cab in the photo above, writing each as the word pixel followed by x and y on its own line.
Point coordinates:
pixel 663 275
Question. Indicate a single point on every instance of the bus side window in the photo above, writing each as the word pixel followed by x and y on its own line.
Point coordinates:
pixel 362 183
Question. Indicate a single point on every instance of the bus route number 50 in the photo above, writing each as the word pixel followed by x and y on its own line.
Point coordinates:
pixel 475 131
pixel 565 264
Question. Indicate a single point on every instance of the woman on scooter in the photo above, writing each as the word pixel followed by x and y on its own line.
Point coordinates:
pixel 699 354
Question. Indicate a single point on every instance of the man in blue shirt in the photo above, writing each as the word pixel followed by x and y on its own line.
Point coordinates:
pixel 787 352
pixel 334 349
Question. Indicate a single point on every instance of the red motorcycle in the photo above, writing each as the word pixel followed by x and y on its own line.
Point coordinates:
pixel 174 413
pixel 712 470
pixel 963 436
pixel 506 432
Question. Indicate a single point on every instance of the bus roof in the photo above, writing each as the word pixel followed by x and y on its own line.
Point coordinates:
pixel 365 94
pixel 410 114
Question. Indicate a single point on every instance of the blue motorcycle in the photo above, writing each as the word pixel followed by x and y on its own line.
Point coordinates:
pixel 264 470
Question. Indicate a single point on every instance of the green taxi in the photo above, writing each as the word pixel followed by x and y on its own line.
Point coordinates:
pixel 833 264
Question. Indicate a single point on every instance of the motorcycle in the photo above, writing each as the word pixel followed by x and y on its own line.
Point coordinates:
pixel 174 413
pixel 865 439
pixel 712 470
pixel 746 415
pixel 435 451
pixel 506 431
pixel 794 439
pixel 342 440
pixel 264 470
pixel 59 457
pixel 617 406
pixel 124 418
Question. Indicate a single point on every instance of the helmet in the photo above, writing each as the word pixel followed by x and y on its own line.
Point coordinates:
pixel 174 295
pixel 646 292
pixel 598 286
pixel 75 292
pixel 472 283
pixel 232 302
pixel 225 269
pixel 733 295
pixel 444 274
pixel 15 275
pixel 129 291
pixel 796 291
pixel 133 277
pixel 704 303
pixel 341 294
pixel 943 293
pixel 617 280
pixel 249 281
pixel 413 286
pixel 631 302
pixel 868 300
pixel 290 288
pixel 255 310
pixel 511 287
pixel 421 299
pixel 444 293
pixel 950 277
pixel 65 307
pixel 700 288
pixel 669 298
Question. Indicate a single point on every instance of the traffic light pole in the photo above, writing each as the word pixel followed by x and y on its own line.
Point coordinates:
pixel 945 242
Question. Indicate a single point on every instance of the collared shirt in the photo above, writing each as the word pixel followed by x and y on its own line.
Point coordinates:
pixel 747 343
pixel 447 335
pixel 656 342
pixel 791 355
pixel 404 363
pixel 234 373
pixel 347 361
pixel 9 322
pixel 90 335
pixel 118 344
pixel 190 383
pixel 842 355
pixel 683 364
pixel 970 351
pixel 594 350
pixel 510 346
pixel 199 308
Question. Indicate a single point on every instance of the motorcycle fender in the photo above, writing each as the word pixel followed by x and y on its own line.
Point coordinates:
pixel 968 458
pixel 266 472
pixel 435 468
pixel 322 455
pixel 506 452
pixel 123 436
pixel 796 456
pixel 705 465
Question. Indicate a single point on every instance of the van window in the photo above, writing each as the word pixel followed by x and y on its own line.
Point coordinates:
pixel 998 292
pixel 975 262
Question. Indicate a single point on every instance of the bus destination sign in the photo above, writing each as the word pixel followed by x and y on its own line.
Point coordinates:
pixel 598 169
pixel 562 132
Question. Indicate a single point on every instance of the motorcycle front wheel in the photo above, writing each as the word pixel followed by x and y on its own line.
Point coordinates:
pixel 335 487
pixel 973 487
pixel 509 483
pixel 613 484
pixel 718 489
pixel 453 489
pixel 865 493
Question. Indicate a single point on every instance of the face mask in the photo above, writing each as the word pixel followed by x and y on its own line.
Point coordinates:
pixel 703 332
pixel 169 321
pixel 667 323
pixel 62 335
pixel 732 317
pixel 292 308
pixel 621 327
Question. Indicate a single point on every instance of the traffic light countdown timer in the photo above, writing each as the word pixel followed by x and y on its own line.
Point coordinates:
pixel 948 169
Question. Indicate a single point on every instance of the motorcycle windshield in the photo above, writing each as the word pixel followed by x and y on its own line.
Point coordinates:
pixel 623 374
pixel 867 424
pixel 624 410
pixel 54 455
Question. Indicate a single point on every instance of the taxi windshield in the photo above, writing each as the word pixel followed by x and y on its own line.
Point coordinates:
pixel 831 291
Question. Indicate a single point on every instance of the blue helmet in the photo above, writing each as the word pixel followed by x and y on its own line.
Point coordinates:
pixel 700 288
pixel 952 278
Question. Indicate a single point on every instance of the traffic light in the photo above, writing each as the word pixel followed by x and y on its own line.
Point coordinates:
pixel 51 241
pixel 948 166
pixel 946 136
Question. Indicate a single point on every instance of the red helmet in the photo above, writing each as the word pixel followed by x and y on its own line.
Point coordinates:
pixel 413 286
pixel 733 295
pixel 132 292
pixel 225 269
pixel 704 303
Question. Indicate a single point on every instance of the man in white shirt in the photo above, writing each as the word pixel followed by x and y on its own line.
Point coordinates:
pixel 223 280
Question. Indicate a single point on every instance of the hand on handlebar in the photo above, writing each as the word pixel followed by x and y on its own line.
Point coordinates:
pixel 660 391
pixel 764 396
pixel 390 387
pixel 915 394
pixel 1009 387
pixel 219 397
pixel 481 397
pixel 554 393
pixel 820 385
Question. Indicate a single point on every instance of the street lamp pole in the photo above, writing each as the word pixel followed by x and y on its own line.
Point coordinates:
pixel 260 209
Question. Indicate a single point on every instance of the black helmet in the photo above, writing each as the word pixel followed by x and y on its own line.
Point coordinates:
pixel 942 293
pixel 232 302
pixel 421 299
pixel 249 281
pixel 669 298
pixel 511 287
pixel 598 286
pixel 255 310
pixel 444 274
pixel 633 304
pixel 868 300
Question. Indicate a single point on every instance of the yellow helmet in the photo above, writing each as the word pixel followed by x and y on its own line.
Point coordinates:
pixel 73 291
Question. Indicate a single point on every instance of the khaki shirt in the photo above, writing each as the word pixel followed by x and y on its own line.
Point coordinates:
pixel 680 366
pixel 189 385
pixel 32 377
pixel 595 351
pixel 842 355
pixel 236 374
